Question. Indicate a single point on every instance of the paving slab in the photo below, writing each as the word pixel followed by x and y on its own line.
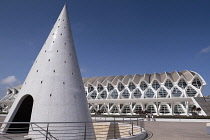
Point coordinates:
pixel 177 130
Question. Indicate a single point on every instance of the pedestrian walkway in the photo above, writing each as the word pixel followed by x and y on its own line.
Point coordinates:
pixel 177 130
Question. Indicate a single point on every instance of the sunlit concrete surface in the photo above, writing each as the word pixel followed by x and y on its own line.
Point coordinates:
pixel 177 130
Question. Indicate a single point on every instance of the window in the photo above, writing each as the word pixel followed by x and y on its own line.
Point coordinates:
pixel 182 83
pixel 103 95
pixel 137 93
pixel 155 85
pixel 89 105
pixel 126 109
pixel 168 84
pixel 162 93
pixel 164 109
pixel 90 88
pixel 114 109
pixel 143 85
pixel 120 87
pixel 178 109
pixel 114 94
pixel 137 109
pixel 176 92
pixel 149 94
pixel 151 109
pixel 125 94
pixel 100 88
pixel 131 86
pixel 110 87
pixel 190 92
pixel 93 110
pixel 93 95
pixel 196 83
pixel 103 109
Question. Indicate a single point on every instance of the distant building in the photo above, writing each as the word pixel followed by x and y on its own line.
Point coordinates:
pixel 161 94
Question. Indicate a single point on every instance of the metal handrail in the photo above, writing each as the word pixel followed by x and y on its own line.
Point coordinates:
pixel 108 128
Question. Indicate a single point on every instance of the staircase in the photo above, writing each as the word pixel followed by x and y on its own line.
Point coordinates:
pixel 204 104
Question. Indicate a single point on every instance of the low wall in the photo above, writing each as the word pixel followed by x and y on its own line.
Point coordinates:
pixel 120 131
pixel 140 136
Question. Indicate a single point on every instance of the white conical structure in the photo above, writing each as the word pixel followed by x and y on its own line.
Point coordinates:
pixel 54 82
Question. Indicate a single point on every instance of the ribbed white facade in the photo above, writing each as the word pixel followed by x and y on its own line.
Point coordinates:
pixel 160 94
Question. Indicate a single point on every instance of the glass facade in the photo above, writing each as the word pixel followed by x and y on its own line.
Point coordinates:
pixel 137 109
pixel 176 93
pixel 191 92
pixel 155 84
pixel 126 109
pixel 182 83
pixel 114 109
pixel 168 84
pixel 149 93
pixel 100 88
pixel 131 86
pixel 178 109
pixel 103 95
pixel 196 83
pixel 110 87
pixel 137 93
pixel 90 88
pixel 143 85
pixel 114 94
pixel 164 109
pixel 93 95
pixel 145 89
pixel 120 87
pixel 162 93
pixel 151 109
pixel 125 94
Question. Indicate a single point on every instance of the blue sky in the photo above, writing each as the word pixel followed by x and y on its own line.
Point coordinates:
pixel 112 37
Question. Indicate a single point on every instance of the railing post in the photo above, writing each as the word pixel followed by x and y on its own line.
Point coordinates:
pixel 132 128
pixel 141 128
pixel 85 131
pixel 114 128
pixel 47 131
pixel 137 121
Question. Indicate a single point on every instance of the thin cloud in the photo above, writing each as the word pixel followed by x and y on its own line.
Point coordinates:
pixel 10 80
pixel 205 50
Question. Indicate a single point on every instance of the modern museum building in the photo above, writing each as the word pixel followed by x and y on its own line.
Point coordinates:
pixel 172 93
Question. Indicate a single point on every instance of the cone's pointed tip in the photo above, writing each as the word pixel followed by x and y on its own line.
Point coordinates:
pixel 65 6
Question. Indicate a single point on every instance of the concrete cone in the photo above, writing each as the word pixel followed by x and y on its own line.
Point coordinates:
pixel 55 88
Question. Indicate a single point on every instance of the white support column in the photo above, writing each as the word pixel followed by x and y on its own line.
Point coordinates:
pixel 172 108
pixel 187 108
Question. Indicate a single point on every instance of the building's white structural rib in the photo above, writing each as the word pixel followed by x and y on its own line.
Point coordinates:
pixel 161 94
pixel 53 88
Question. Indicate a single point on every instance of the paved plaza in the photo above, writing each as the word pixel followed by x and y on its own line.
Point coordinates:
pixel 177 130
pixel 160 130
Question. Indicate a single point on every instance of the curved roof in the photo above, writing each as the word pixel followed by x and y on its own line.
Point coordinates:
pixel 110 78
pixel 126 79
pixel 174 76
pixel 137 78
pixel 115 80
